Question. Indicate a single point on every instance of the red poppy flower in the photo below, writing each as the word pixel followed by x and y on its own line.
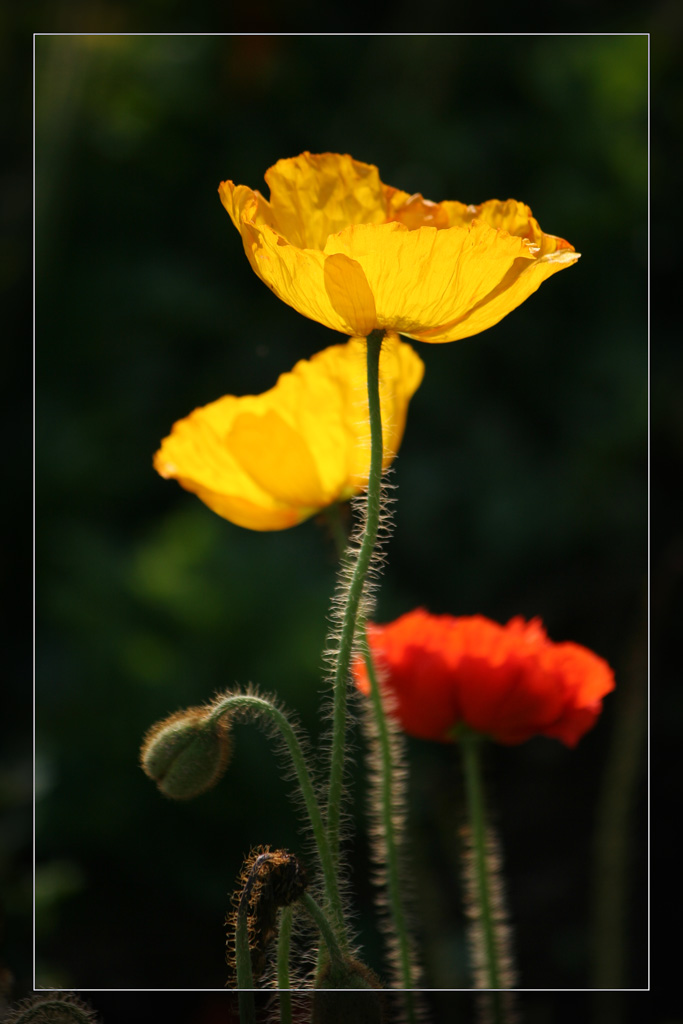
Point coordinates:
pixel 508 682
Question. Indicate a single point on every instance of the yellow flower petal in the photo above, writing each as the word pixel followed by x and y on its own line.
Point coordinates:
pixel 314 196
pixel 518 284
pixel 349 293
pixel 356 255
pixel 269 461
pixel 276 458
pixel 430 276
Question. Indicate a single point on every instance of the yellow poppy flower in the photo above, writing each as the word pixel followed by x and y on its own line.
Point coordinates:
pixel 356 255
pixel 269 461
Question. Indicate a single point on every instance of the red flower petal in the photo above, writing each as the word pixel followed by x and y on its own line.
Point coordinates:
pixel 509 682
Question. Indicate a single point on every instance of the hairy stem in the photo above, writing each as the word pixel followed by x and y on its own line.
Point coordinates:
pixel 469 745
pixel 491 943
pixel 283 946
pixel 387 814
pixel 325 929
pixel 263 706
pixel 245 979
pixel 353 597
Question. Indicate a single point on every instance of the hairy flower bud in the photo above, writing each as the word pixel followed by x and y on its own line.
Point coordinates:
pixel 187 753
pixel 270 879
pixel 333 1005
pixel 352 974
pixel 50 1008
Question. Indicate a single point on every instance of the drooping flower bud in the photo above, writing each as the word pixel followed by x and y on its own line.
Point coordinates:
pixel 350 974
pixel 187 753
pixel 333 1005
pixel 50 1008
pixel 270 879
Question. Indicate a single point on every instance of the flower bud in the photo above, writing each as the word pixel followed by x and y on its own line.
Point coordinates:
pixel 50 1008
pixel 338 1007
pixel 351 974
pixel 187 753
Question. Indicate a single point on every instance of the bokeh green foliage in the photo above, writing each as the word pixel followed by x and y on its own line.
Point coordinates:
pixel 521 479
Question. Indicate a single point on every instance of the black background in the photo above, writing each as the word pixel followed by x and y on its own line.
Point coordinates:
pixel 522 478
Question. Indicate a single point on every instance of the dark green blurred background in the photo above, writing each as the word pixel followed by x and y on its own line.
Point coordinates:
pixel 522 484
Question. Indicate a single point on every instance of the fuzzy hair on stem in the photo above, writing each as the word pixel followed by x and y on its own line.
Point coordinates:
pixel 501 926
pixel 350 606
pixel 370 588
pixel 251 706
pixel 284 936
pixel 291 747
pixel 332 652
pixel 493 1007
pixel 387 808
pixel 357 561
pixel 489 933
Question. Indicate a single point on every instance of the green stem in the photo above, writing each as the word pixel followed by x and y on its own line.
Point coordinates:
pixel 354 594
pixel 387 801
pixel 616 840
pixel 245 979
pixel 326 930
pixel 263 706
pixel 283 946
pixel 470 746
